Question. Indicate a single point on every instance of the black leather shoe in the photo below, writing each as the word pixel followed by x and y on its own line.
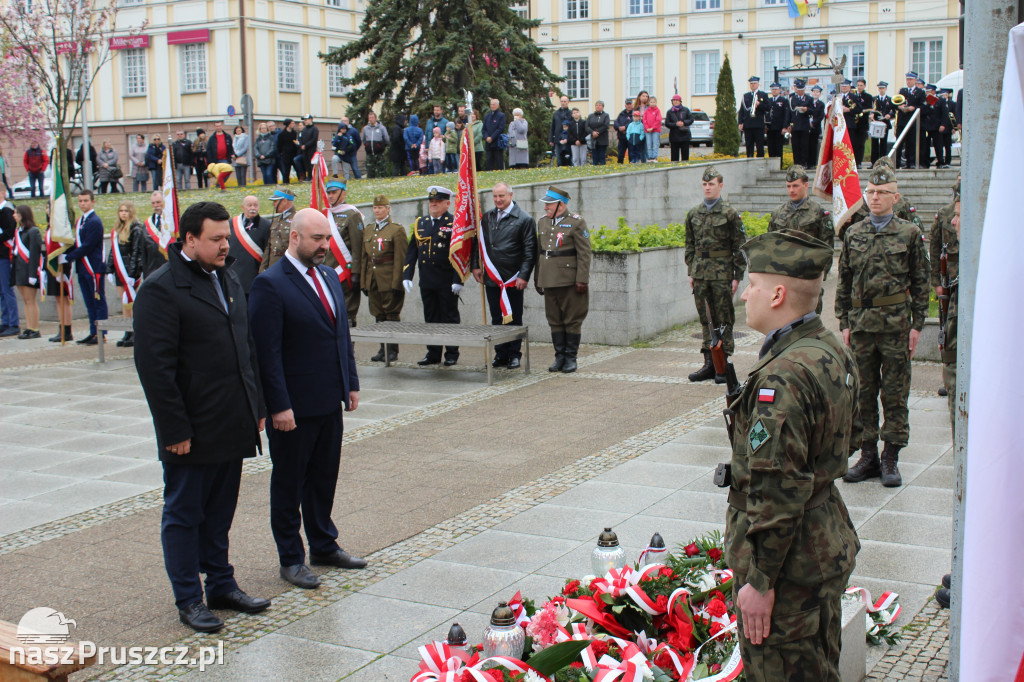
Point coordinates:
pixel 239 601
pixel 448 362
pixel 10 331
pixel 942 597
pixel 429 361
pixel 947 580
pixel 942 392
pixel 500 362
pixel 379 357
pixel 300 576
pixel 513 363
pixel 199 618
pixel 88 341
pixel 393 356
pixel 341 559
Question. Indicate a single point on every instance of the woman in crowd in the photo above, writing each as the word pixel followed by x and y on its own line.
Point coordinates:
pixel 652 126
pixel 137 155
pixel 397 151
pixel 265 150
pixel 199 161
pixel 28 261
pixel 155 161
pixel 241 145
pixel 123 241
pixel 518 147
pixel 478 139
pixel 107 160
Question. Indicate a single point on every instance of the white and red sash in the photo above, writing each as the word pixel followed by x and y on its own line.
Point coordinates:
pixel 84 260
pixel 130 285
pixel 251 247
pixel 152 230
pixel 340 251
pixel 492 272
pixel 19 247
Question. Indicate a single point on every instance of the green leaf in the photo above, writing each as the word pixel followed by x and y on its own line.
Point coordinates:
pixel 554 658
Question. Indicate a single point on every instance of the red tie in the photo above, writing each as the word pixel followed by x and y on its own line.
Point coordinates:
pixel 323 297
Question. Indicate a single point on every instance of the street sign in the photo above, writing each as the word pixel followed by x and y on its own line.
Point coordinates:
pixel 231 110
pixel 817 47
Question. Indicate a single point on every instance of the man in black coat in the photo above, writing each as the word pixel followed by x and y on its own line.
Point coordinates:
pixel 622 122
pixel 817 116
pixel 597 129
pixel 287 148
pixel 884 112
pixel 308 371
pixel 914 99
pixel 936 123
pixel 777 121
pixel 562 114
pixel 678 120
pixel 510 237
pixel 754 106
pixel 494 127
pixel 307 147
pixel 249 236
pixel 802 109
pixel 197 364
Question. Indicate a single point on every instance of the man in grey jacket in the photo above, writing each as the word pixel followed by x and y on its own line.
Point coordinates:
pixel 376 142
pixel 597 129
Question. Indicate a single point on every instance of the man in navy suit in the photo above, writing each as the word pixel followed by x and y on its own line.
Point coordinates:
pixel 494 127
pixel 308 372
pixel 88 258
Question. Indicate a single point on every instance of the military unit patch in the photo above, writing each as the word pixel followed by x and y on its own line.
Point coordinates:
pixel 766 395
pixel 758 436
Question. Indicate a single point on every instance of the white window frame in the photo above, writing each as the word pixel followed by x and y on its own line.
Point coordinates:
pixel 711 86
pixel 853 70
pixel 774 3
pixel 782 55
pixel 126 3
pixel 646 80
pixel 199 81
pixel 640 8
pixel 288 82
pixel 520 7
pixel 924 69
pixel 333 3
pixel 576 10
pixel 73 91
pixel 577 77
pixel 335 72
pixel 133 72
pixel 707 5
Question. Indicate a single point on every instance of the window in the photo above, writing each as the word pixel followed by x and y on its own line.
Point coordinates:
pixel 854 53
pixel 335 74
pixel 133 72
pixel 703 5
pixel 130 2
pixel 775 58
pixel 705 72
pixel 577 78
pixel 193 67
pixel 641 73
pixel 287 66
pixel 577 9
pixel 521 7
pixel 334 3
pixel 773 3
pixel 637 7
pixel 77 74
pixel 926 59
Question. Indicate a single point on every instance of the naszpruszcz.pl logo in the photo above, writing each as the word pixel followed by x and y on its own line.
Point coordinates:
pixel 45 631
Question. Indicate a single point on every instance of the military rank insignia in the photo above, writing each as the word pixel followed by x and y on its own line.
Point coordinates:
pixel 758 436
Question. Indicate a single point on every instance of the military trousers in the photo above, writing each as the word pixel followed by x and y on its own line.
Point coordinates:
pixel 440 305
pixel 949 381
pixel 718 293
pixel 385 304
pixel 802 148
pixel 775 143
pixel 883 361
pixel 352 296
pixel 565 309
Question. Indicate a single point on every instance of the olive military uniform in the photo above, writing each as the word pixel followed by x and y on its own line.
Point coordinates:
pixel 384 247
pixel 948 353
pixel 882 294
pixel 350 227
pixel 943 232
pixel 787 527
pixel 277 242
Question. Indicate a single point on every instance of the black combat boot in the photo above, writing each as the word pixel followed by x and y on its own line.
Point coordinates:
pixel 558 341
pixel 392 353
pixel 572 347
pixel 942 391
pixel 890 472
pixel 867 466
pixel 67 335
pixel 942 597
pixel 707 371
pixel 379 357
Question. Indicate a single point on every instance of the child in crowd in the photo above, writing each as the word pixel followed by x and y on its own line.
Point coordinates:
pixel 220 171
pixel 565 150
pixel 451 148
pixel 437 151
pixel 652 127
pixel 636 138
pixel 578 139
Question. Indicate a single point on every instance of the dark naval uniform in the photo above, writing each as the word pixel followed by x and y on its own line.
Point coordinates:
pixel 563 263
pixel 915 99
pixel 817 116
pixel 247 245
pixel 384 245
pixel 277 239
pixel 802 108
pixel 430 241
pixel 884 107
pixel 754 105
pixel 350 226
pixel 787 527
pixel 777 122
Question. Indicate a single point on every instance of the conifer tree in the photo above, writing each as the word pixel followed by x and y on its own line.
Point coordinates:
pixel 727 130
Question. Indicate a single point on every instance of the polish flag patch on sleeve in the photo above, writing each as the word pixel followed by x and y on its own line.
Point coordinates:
pixel 766 395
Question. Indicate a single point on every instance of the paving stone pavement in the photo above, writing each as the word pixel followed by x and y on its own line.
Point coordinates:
pixel 514 508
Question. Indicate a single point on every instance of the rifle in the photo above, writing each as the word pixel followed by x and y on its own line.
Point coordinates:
pixel 944 296
pixel 725 373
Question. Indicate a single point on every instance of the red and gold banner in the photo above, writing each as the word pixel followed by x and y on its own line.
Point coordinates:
pixel 837 177
pixel 464 227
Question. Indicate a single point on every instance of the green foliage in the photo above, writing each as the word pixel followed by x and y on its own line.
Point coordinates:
pixel 755 223
pixel 727 130
pixel 558 656
pixel 637 238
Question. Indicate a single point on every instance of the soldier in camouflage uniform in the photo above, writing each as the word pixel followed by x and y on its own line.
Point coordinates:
pixel 788 536
pixel 943 233
pixel 903 209
pixel 349 221
pixel 714 234
pixel 563 275
pixel 881 303
pixel 804 214
pixel 280 227
pixel 384 247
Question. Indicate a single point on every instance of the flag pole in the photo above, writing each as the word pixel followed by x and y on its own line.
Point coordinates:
pixel 57 166
pixel 476 204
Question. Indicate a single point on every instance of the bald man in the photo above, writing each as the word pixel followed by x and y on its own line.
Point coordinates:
pixel 308 371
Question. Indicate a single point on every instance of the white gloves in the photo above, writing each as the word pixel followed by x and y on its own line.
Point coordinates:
pixel 62 259
pixel 407 283
pixel 456 288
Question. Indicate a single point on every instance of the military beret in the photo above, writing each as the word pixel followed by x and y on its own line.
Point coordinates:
pixel 710 173
pixel 775 85
pixel 381 200
pixel 554 195
pixel 282 194
pixel 881 175
pixel 795 173
pixel 335 184
pixel 439 193
pixel 911 74
pixel 816 87
pixel 754 79
pixel 790 253
pixel 883 161
pixel 799 84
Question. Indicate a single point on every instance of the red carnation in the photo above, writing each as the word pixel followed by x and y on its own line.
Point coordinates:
pixel 661 603
pixel 715 554
pixel 666 572
pixel 691 549
pixel 576 664
pixel 717 594
pixel 717 607
pixel 591 586
pixel 715 668
pixel 571 587
pixel 600 648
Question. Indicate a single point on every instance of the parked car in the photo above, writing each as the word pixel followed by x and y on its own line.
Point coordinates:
pixel 701 132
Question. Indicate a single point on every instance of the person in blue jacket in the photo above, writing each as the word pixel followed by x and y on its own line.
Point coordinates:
pixel 87 255
pixel 413 140
pixel 494 127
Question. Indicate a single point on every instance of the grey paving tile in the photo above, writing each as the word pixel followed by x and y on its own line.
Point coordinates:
pixel 53 401
pixel 706 435
pixel 91 466
pixel 410 398
pixel 385 669
pixel 706 484
pixel 860 514
pixel 932 435
pixel 354 422
pixel 909 529
pixel 375 411
pixel 279 657
pixel 637 531
pixel 105 405
pixel 617 497
pixel 534 586
pixel 149 474
pixel 947 459
pixel 869 493
pixel 82 495
pixel 688 454
pixel 936 476
pixel 346 622
pixel 887 560
pixel 140 428
pixel 509 551
pixel 471 621
pixel 938 418
pixel 21 485
pixel 923 500
pixel 144 449
pixel 139 410
pixel 555 521
pixel 691 505
pixel 18 515
pixel 576 563
pixel 34 435
pixel 920 453
pixel 659 474
pixel 28 416
pixel 371 395
pixel 82 422
pixel 23 458
pixel 97 443
pixel 931 403
pixel 443 583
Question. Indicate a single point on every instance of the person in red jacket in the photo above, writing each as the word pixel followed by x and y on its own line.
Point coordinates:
pixel 36 161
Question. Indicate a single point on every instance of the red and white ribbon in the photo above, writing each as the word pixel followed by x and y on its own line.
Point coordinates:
pixel 340 251
pixel 84 260
pixel 882 606
pixel 516 604
pixel 247 243
pixel 632 668
pixel 579 633
pixel 441 664
pixel 130 285
pixel 492 273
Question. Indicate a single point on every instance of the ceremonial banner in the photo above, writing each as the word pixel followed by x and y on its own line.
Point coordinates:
pixel 169 224
pixel 318 200
pixel 992 629
pixel 837 178
pixel 464 227
pixel 60 224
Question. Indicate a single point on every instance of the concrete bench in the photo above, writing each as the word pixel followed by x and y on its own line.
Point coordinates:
pixel 431 334
pixel 112 324
pixel 25 663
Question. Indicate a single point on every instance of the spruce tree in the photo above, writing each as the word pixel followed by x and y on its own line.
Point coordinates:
pixel 419 53
pixel 727 130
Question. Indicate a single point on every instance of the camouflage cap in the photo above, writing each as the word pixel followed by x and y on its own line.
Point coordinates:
pixel 882 175
pixel 710 173
pixel 883 161
pixel 795 173
pixel 790 253
pixel 381 200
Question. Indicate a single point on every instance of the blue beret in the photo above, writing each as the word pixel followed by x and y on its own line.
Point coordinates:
pixel 775 85
pixel 930 86
pixel 799 84
pixel 816 87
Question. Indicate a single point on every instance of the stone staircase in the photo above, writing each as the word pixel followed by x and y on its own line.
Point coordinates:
pixel 927 190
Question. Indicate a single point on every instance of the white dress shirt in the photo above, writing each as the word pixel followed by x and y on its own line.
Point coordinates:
pixel 309 280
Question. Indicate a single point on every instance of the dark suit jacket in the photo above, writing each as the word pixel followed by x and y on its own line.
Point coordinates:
pixel 245 266
pixel 494 127
pixel 92 245
pixel 197 363
pixel 306 363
